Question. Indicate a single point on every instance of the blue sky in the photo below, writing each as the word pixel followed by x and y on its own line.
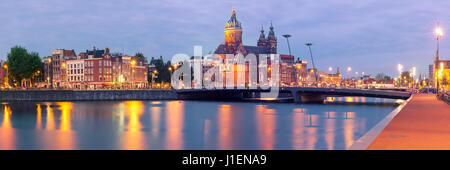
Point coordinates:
pixel 369 35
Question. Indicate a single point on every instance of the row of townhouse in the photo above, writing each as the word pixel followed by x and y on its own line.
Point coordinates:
pixel 94 69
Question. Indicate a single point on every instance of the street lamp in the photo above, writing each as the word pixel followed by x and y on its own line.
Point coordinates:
pixel 400 69
pixel 154 76
pixel 5 66
pixel 439 34
pixel 330 69
pixel 287 36
pixel 413 72
pixel 348 71
pixel 312 59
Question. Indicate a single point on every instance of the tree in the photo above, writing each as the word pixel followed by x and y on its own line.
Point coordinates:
pixel 140 57
pixel 383 77
pixel 163 70
pixel 23 65
pixel 405 78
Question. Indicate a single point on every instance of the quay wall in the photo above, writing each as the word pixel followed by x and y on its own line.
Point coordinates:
pixel 86 95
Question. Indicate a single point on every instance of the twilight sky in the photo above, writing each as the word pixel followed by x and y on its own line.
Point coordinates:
pixel 369 35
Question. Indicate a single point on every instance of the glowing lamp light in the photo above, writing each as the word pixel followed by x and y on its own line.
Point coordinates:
pixel 399 67
pixel 439 32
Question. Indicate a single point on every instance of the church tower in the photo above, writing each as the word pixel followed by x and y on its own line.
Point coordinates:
pixel 271 41
pixel 233 31
pixel 262 42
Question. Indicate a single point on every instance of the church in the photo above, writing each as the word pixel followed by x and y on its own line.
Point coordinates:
pixel 265 45
pixel 233 40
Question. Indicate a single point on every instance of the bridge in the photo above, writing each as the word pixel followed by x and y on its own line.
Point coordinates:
pixel 298 94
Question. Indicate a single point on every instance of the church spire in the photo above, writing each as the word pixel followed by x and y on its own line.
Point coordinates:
pixel 262 36
pixel 271 35
pixel 271 41
pixel 262 39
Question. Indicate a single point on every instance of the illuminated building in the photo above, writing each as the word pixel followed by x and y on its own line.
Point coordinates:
pixel 333 79
pixel 286 70
pixel 301 72
pixel 58 63
pixel 233 40
pixel 48 71
pixel 441 73
pixel 75 73
pixel 129 72
pixel 98 68
pixel 265 45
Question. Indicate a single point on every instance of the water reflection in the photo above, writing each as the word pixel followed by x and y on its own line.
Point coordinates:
pixel 134 136
pixel 39 117
pixel 265 118
pixel 7 132
pixel 174 122
pixel 65 136
pixel 50 124
pixel 188 124
pixel 348 130
pixel 224 126
pixel 330 123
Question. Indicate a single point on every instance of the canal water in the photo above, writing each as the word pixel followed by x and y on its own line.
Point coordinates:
pixel 189 124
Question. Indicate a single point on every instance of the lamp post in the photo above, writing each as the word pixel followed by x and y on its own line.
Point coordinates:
pixel 312 59
pixel 287 36
pixel 170 71
pixel 399 68
pixel 154 76
pixel 5 66
pixel 440 74
pixel 413 72
pixel 348 71
pixel 439 34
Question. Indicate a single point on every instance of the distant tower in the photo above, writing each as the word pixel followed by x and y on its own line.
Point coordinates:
pixel 262 42
pixel 233 31
pixel 272 41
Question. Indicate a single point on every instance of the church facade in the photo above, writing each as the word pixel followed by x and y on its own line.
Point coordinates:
pixel 233 40
pixel 265 44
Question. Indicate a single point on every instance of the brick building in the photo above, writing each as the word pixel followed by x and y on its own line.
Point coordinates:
pixel 98 68
pixel 58 63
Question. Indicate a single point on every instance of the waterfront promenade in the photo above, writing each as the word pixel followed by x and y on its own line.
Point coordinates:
pixel 423 123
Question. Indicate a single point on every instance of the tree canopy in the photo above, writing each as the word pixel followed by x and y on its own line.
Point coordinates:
pixel 383 77
pixel 163 69
pixel 22 64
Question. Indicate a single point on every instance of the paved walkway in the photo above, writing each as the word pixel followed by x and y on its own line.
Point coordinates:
pixel 424 123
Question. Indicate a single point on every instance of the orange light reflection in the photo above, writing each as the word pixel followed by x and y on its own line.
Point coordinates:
pixel 134 138
pixel 175 120
pixel 265 120
pixel 224 126
pixel 7 133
